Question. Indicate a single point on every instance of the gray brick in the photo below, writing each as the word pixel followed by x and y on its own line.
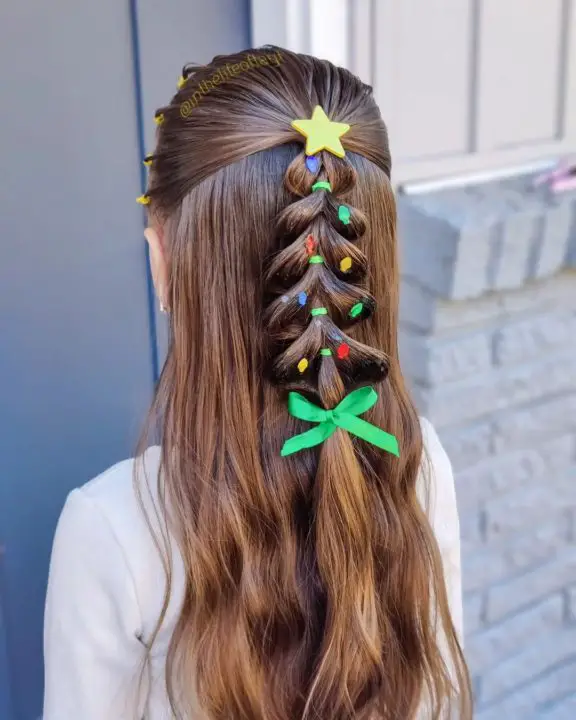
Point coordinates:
pixel 483 567
pixel 571 250
pixel 431 361
pixel 524 704
pixel 520 232
pixel 520 669
pixel 419 396
pixel 522 428
pixel 555 237
pixel 489 647
pixel 489 564
pixel 530 505
pixel 469 444
pixel 468 314
pixel 470 530
pixel 445 242
pixel 450 360
pixel 571 604
pixel 529 338
pixel 563 710
pixel 427 247
pixel 463 400
pixel 413 354
pixel 473 613
pixel 417 306
pixel 525 383
pixel 470 278
pixel 525 589
pixel 519 469
pixel 539 543
pixel 555 292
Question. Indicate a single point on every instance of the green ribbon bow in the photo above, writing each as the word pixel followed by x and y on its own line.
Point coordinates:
pixel 344 415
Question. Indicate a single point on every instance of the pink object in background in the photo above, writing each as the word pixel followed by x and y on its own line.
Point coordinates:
pixel 561 178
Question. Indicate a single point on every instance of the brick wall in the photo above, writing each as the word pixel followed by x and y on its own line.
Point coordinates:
pixel 488 343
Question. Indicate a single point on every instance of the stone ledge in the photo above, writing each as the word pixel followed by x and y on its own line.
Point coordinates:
pixel 465 242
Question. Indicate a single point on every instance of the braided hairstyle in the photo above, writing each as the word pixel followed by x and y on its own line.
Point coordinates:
pixel 318 285
pixel 314 587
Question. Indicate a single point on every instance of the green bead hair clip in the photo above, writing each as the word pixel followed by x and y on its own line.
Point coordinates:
pixel 356 310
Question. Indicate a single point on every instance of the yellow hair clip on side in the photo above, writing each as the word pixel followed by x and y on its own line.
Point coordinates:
pixel 143 200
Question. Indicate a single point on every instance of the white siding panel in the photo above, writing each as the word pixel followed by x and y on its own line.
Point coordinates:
pixel 431 66
pixel 520 68
pixel 330 23
pixel 569 104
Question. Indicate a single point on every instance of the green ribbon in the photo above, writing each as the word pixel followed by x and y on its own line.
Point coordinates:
pixel 344 415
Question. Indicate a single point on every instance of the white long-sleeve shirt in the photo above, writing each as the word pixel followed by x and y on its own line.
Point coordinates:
pixel 106 588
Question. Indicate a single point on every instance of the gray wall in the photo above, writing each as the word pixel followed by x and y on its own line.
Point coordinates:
pixel 76 336
pixel 488 318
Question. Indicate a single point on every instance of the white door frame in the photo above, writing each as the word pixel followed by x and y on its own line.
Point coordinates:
pixel 331 29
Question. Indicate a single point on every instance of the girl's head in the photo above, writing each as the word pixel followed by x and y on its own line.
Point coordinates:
pixel 313 582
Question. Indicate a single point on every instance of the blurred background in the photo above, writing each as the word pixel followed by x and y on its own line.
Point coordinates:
pixel 480 100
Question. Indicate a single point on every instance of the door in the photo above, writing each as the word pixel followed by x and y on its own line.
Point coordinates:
pixel 77 325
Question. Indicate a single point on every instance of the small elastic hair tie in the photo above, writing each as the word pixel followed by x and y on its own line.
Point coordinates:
pixel 159 118
pixel 356 310
pixel 316 260
pixel 326 352
pixel 143 200
pixel 322 185
pixel 318 311
pixel 147 160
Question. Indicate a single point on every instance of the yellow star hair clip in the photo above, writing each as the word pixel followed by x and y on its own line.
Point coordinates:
pixel 321 133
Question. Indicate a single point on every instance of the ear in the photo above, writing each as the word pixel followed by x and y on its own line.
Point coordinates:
pixel 158 264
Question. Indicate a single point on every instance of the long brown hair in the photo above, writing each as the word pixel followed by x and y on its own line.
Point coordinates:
pixel 314 585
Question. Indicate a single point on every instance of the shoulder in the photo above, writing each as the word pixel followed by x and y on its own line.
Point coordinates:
pixel 119 509
pixel 115 492
pixel 434 454
pixel 436 486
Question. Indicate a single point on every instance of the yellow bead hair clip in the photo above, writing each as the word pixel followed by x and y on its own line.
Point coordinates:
pixel 345 264
pixel 143 200
pixel 159 118
pixel 181 82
